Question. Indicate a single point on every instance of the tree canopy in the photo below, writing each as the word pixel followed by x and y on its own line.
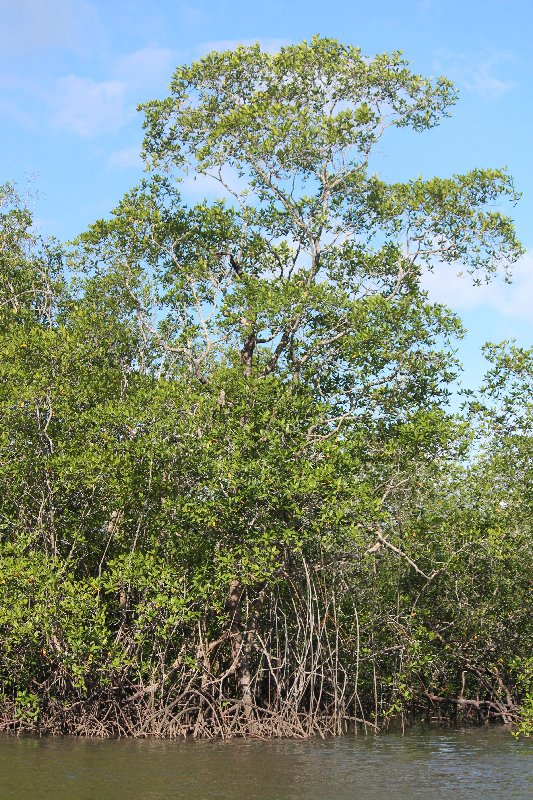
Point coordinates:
pixel 234 498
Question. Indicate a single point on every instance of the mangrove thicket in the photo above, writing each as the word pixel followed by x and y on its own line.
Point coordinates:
pixel 234 497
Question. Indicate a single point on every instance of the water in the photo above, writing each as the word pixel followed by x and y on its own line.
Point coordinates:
pixel 466 764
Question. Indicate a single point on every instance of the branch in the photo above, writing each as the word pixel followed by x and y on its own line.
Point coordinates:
pixel 383 541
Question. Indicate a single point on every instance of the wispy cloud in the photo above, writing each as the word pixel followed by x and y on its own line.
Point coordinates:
pixel 127 158
pixel 33 25
pixel 268 45
pixel 510 300
pixel 21 100
pixel 482 79
pixel 102 98
pixel 429 6
pixel 193 13
pixel 150 65
pixel 484 75
pixel 89 108
pixel 198 185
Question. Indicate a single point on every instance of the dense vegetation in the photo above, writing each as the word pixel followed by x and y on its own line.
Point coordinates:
pixel 233 498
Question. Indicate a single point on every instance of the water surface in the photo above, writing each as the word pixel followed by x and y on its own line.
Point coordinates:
pixel 466 764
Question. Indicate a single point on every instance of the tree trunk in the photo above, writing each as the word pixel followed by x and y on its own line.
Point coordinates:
pixel 242 642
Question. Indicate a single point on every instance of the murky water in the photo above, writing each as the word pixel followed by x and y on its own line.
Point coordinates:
pixel 466 764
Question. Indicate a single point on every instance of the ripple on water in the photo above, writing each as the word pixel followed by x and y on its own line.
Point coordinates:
pixel 468 763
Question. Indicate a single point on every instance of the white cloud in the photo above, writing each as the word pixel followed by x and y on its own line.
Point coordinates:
pixel 30 25
pixel 146 66
pixel 12 112
pixel 192 13
pixel 203 185
pixel 481 75
pixel 458 292
pixel 429 6
pixel 478 75
pixel 198 185
pixel 481 79
pixel 127 158
pixel 99 102
pixel 89 108
pixel 268 45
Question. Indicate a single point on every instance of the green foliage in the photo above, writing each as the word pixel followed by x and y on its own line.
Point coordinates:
pixel 230 482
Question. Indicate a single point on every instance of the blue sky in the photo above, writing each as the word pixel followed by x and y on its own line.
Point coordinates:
pixel 73 71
